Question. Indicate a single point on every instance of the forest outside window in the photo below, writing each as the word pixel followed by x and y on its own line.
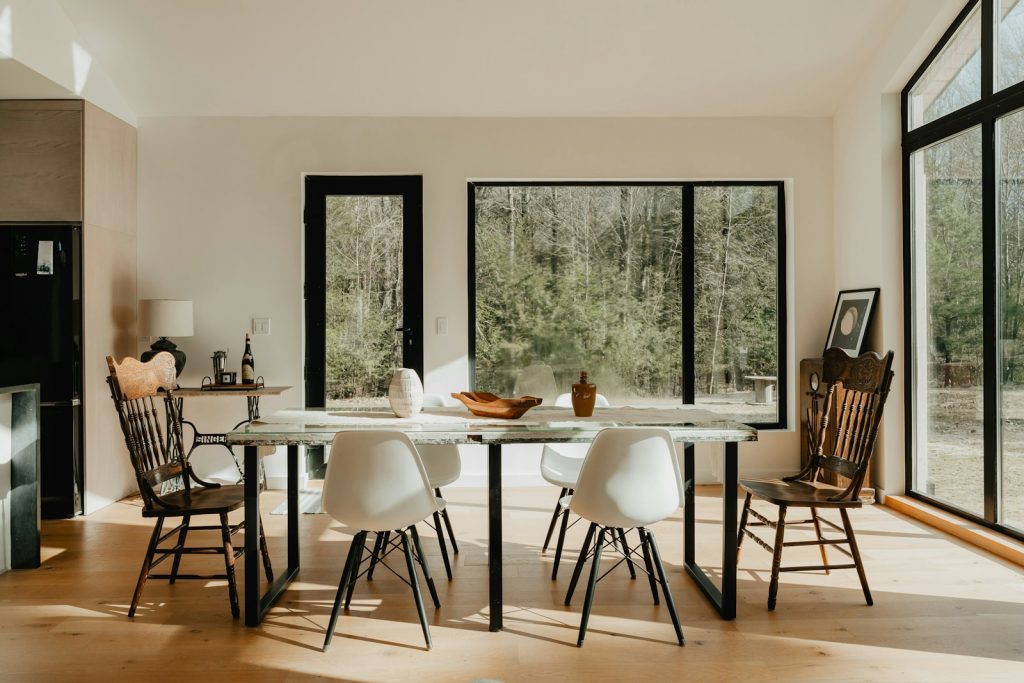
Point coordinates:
pixel 665 293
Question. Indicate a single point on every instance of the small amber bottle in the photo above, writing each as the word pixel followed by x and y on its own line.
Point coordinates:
pixel 584 395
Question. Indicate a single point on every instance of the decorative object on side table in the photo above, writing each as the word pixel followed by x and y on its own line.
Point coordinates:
pixel 483 404
pixel 165 318
pixel 248 363
pixel 851 320
pixel 405 393
pixel 584 395
pixel 220 362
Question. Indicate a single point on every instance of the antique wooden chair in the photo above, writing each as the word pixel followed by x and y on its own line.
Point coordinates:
pixel 857 389
pixel 165 477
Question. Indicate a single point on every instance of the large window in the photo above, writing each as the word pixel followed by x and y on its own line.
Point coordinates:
pixel 663 292
pixel 963 150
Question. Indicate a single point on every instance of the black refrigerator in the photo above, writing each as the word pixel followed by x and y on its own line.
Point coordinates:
pixel 41 342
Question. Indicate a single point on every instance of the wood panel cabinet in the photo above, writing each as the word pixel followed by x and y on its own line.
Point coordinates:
pixel 68 161
pixel 41 160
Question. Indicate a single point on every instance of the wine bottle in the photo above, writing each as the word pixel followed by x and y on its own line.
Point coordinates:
pixel 248 364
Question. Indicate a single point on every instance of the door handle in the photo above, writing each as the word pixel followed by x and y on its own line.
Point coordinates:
pixel 403 329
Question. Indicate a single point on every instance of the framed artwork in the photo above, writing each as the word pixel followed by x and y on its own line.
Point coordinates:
pixel 851 319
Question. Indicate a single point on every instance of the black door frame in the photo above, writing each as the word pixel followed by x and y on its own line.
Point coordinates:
pixel 317 189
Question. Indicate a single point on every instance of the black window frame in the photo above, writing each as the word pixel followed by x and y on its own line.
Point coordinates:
pixel 991 106
pixel 688 279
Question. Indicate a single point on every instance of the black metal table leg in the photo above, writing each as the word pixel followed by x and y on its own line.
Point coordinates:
pixel 293 509
pixel 689 505
pixel 729 528
pixel 724 598
pixel 252 535
pixel 494 533
pixel 256 605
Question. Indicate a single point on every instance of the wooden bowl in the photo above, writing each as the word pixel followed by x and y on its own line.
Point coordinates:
pixel 483 404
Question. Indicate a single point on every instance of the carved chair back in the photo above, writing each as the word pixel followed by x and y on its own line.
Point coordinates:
pixel 151 427
pixel 856 395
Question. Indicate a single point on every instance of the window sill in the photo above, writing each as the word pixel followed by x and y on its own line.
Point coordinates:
pixel 974 534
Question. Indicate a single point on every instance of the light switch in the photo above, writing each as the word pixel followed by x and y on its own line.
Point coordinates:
pixel 442 326
pixel 261 326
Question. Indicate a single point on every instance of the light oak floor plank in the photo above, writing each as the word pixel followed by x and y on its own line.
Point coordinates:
pixel 944 611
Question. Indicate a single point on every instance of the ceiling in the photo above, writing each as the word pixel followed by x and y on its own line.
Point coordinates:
pixel 17 81
pixel 481 57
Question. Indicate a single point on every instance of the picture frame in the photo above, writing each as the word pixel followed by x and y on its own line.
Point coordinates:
pixel 851 319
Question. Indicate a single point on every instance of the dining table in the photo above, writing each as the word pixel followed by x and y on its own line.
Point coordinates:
pixel 296 428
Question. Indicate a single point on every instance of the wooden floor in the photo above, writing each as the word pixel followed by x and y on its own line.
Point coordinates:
pixel 943 611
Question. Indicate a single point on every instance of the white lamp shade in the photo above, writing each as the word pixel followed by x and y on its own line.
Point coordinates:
pixel 165 318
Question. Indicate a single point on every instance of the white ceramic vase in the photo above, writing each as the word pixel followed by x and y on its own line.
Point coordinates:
pixel 405 393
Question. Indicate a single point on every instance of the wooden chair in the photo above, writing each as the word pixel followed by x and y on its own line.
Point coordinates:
pixel 857 389
pixel 165 477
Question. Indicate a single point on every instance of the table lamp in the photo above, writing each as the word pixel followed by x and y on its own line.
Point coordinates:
pixel 165 318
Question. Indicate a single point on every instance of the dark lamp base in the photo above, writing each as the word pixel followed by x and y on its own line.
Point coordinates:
pixel 165 344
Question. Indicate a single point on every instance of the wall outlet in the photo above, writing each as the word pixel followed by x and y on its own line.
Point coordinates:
pixel 442 326
pixel 261 326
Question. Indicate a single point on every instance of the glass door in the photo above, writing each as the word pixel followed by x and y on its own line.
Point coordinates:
pixel 364 307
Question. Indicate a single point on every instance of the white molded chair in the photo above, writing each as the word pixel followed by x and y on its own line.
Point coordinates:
pixel 560 465
pixel 375 482
pixel 629 480
pixel 444 467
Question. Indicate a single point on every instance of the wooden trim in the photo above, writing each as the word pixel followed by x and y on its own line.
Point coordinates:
pixel 979 536
pixel 37 105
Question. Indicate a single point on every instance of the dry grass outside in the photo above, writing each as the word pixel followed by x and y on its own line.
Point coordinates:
pixel 955 448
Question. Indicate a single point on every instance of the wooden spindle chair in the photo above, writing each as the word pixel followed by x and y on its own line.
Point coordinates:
pixel 856 394
pixel 165 477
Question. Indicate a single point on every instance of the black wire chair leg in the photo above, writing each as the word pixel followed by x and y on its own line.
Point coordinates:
pixel 342 585
pixel 648 565
pixel 146 562
pixel 423 564
pixel 414 583
pixel 625 552
pixel 580 561
pixel 588 601
pixel 379 549
pixel 441 544
pixel 182 535
pixel 560 544
pixel 357 562
pixel 554 520
pixel 669 603
pixel 447 525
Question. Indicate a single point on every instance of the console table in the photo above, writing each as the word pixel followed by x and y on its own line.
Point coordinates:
pixel 251 393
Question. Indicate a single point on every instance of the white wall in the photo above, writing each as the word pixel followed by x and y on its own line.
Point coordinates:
pixel 220 208
pixel 868 201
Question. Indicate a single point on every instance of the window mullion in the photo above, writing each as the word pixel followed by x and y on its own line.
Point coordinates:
pixel 689 297
pixel 991 327
pixel 988 42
